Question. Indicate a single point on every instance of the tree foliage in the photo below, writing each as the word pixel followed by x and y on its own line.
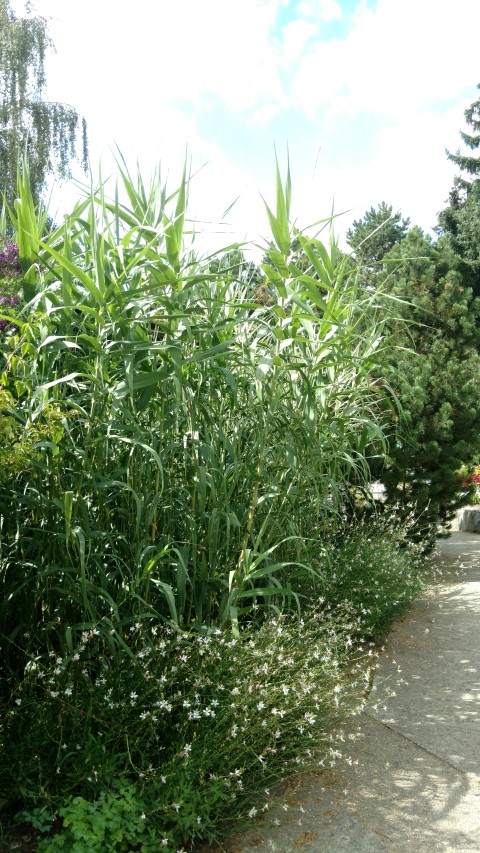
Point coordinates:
pixel 376 233
pixel 48 132
pixel 438 386
pixel 459 222
pixel 468 163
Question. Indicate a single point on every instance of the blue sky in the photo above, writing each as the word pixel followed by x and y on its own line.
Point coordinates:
pixel 366 94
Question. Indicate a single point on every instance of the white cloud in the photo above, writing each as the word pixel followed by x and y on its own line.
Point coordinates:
pixel 407 168
pixel 324 10
pixel 143 76
pixel 296 36
pixel 398 57
pixel 179 51
pixel 263 115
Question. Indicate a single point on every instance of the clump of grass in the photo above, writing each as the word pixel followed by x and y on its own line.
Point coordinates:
pixel 204 433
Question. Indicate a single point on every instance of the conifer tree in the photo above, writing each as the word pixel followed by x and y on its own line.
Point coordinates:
pixel 459 222
pixel 372 236
pixel 434 374
pixel 48 132
pixel 465 162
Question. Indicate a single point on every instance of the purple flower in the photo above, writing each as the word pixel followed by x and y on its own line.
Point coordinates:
pixel 9 261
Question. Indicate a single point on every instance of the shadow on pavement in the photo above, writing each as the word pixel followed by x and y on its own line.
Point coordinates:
pixel 409 777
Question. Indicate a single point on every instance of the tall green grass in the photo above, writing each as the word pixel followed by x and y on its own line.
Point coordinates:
pixel 202 439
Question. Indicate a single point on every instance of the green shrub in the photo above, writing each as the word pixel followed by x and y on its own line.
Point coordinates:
pixel 113 822
pixel 376 571
pixel 201 725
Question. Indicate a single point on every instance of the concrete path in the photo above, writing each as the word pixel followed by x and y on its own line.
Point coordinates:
pixel 414 780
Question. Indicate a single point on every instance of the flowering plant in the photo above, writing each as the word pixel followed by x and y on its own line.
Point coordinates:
pixel 10 269
pixel 472 482
pixel 9 260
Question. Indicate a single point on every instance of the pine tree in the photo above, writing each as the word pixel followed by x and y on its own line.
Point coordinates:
pixel 434 374
pixel 47 132
pixel 372 236
pixel 467 163
pixel 459 222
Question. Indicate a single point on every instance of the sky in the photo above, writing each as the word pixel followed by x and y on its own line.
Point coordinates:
pixel 364 95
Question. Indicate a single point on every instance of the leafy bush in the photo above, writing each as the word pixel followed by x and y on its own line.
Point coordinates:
pixel 203 725
pixel 376 572
pixel 113 822
pixel 199 724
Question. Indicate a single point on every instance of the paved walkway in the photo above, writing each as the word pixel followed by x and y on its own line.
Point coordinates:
pixel 416 786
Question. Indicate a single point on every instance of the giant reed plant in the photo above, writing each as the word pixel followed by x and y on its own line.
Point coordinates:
pixel 207 435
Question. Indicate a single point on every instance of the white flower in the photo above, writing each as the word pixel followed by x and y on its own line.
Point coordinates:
pixel 252 812
pixel 194 715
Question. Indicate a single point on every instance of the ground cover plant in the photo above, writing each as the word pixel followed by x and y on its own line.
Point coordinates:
pixel 177 628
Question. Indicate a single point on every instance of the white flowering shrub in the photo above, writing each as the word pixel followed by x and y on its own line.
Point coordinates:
pixel 200 724
pixel 375 572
